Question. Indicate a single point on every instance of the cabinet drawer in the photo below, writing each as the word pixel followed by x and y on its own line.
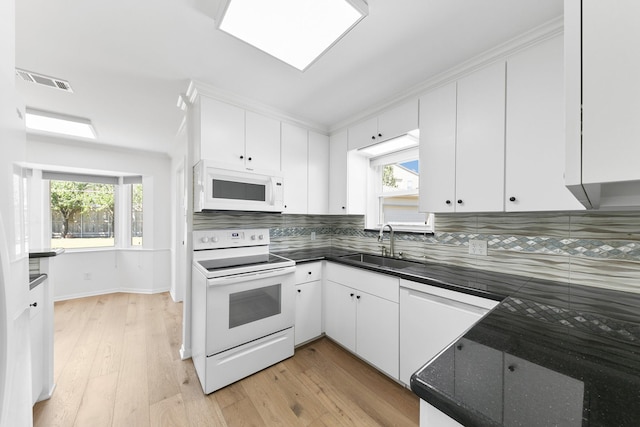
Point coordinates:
pixel 378 284
pixel 308 272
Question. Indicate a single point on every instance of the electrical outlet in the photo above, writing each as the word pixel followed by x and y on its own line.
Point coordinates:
pixel 478 247
pixel 313 235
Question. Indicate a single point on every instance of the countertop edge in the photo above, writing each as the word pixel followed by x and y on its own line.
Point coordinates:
pixel 46 253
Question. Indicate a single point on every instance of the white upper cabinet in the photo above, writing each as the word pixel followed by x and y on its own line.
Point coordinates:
pixel 262 142
pixel 363 134
pixel 294 168
pixel 535 135
pixel 438 150
pixel 236 138
pixel 602 40
pixel 480 140
pixel 338 173
pixel 221 132
pixel 389 124
pixel 462 144
pixel 305 168
pixel 318 174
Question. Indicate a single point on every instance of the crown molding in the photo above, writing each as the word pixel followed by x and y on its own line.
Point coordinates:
pixel 501 52
pixel 197 88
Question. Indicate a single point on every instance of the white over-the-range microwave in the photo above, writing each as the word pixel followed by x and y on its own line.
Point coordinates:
pixel 216 188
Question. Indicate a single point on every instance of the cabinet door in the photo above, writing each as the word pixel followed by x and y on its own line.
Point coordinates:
pixel 535 155
pixel 338 173
pixel 318 193
pixel 221 132
pixel 308 311
pixel 478 377
pixel 294 168
pixel 262 143
pixel 340 314
pixel 480 141
pixel 363 134
pixel 438 150
pixel 397 121
pixel 610 91
pixel 377 335
pixel 36 326
pixel 560 404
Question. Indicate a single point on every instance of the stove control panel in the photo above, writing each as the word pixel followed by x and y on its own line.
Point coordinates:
pixel 234 238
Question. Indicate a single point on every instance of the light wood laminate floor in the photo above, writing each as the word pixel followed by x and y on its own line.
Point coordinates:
pixel 117 364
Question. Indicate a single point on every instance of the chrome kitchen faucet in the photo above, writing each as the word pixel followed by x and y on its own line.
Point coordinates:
pixel 391 238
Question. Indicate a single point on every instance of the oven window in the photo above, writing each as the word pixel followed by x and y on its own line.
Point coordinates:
pixel 238 190
pixel 256 304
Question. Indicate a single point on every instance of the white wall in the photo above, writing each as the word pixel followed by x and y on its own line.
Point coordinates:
pixel 87 273
pixel 81 273
pixel 15 370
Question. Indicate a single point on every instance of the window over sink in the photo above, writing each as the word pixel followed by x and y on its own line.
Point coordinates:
pixel 394 179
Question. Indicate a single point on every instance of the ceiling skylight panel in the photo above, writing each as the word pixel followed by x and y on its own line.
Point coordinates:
pixel 294 31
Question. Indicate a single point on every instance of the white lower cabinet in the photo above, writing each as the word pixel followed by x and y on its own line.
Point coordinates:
pixel 36 325
pixel 362 314
pixel 308 289
pixel 432 318
pixel 432 417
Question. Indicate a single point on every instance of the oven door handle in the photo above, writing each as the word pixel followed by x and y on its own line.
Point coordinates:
pixel 254 275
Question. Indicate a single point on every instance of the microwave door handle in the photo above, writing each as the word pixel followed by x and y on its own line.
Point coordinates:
pixel 273 191
pixel 245 277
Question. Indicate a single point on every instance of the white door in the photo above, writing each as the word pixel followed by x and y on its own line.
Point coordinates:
pixel 245 307
pixel 294 168
pixel 221 132
pixel 340 314
pixel 480 140
pixel 438 150
pixel 535 155
pixel 308 311
pixel 377 335
pixel 262 143
pixel 338 173
pixel 318 185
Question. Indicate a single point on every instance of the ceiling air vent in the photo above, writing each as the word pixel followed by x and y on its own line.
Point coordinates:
pixel 40 79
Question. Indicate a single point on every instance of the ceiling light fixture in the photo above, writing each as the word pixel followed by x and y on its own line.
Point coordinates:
pixel 297 32
pixel 60 124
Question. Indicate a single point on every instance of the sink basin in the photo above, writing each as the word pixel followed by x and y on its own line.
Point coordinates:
pixel 379 261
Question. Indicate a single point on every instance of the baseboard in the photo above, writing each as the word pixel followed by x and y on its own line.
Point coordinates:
pixel 107 292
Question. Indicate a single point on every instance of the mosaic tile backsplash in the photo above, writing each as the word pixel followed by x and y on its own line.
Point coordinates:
pixel 599 249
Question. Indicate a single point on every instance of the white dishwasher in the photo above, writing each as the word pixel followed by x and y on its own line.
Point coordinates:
pixel 432 318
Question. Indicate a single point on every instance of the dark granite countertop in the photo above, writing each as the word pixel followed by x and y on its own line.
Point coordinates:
pixel 45 253
pixel 549 354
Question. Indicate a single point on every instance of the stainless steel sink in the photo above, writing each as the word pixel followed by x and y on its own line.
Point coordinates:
pixel 379 261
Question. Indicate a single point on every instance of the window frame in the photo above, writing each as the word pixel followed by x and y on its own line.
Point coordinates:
pixel 122 206
pixel 375 194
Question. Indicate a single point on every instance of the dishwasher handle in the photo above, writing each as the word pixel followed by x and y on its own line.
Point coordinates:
pixel 254 275
pixel 436 299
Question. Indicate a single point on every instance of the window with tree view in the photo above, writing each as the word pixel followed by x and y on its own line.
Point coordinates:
pixel 82 214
